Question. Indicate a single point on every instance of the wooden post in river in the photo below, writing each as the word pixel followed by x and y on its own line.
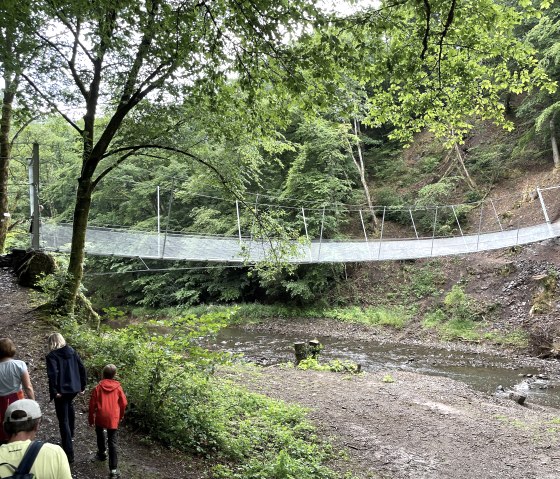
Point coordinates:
pixel 300 350
pixel 310 349
pixel 314 348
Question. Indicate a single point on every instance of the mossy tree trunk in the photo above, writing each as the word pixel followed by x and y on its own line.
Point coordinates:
pixel 10 86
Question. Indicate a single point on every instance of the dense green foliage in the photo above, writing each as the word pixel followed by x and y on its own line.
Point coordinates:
pixel 172 115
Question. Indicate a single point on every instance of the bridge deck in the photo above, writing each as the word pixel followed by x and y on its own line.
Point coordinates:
pixel 127 243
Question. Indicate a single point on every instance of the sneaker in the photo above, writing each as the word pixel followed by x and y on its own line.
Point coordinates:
pixel 100 456
pixel 114 474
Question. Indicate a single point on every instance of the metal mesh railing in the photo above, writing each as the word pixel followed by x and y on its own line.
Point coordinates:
pixel 109 242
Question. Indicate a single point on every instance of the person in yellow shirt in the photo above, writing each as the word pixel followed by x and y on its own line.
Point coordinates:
pixel 21 422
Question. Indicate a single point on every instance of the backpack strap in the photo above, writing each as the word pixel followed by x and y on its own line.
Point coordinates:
pixel 8 464
pixel 29 458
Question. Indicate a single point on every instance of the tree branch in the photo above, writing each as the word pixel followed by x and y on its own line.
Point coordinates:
pixel 428 9
pixel 446 28
pixel 70 64
pixel 172 149
pixel 23 127
pixel 51 104
pixel 140 55
pixel 104 173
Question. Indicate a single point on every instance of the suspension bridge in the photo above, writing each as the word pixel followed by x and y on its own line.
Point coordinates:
pixel 519 219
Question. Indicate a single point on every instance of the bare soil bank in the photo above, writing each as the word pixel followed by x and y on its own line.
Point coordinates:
pixel 420 426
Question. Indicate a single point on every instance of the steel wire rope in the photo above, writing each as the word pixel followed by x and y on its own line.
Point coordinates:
pixel 159 270
pixel 393 209
pixel 348 208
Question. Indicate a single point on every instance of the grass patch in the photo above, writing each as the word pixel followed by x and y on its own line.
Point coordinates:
pixel 458 317
pixel 464 329
pixel 335 366
pixel 516 339
pixel 396 317
pixel 425 280
pixel 512 422
pixel 451 329
pixel 388 379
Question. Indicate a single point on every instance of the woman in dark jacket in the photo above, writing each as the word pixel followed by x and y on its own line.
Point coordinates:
pixel 67 378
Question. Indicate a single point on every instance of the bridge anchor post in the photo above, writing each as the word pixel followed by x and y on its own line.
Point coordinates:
pixel 34 197
pixel 545 212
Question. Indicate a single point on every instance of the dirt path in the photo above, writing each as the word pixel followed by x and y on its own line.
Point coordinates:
pixel 415 427
pixel 138 456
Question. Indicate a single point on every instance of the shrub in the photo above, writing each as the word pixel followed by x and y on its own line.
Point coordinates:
pixel 425 280
pixel 175 397
pixel 457 318
pixel 388 379
pixel 457 304
pixel 395 317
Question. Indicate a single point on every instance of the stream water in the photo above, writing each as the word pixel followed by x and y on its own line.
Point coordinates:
pixel 482 372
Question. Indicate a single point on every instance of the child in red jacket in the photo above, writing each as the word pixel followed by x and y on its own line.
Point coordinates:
pixel 106 410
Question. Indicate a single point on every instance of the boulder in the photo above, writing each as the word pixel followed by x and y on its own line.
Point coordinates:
pixel 518 398
pixel 33 266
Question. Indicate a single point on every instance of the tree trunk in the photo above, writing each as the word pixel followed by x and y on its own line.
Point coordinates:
pixel 359 162
pixel 468 178
pixel 300 351
pixel 10 87
pixel 555 154
pixel 66 300
pixel 462 168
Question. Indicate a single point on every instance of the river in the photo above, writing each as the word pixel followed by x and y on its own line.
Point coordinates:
pixel 486 373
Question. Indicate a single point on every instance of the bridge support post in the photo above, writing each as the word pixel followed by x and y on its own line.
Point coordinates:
pixel 545 212
pixel 413 224
pixel 479 224
pixel 321 236
pixel 168 220
pixel 543 206
pixel 34 197
pixel 434 233
pixel 459 225
pixel 381 236
pixel 158 226
pixel 255 215
pixel 238 220
pixel 365 233
pixel 306 234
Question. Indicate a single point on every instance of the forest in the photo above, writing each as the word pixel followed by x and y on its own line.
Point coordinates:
pixel 165 115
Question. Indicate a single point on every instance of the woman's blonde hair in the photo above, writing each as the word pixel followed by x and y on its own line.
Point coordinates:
pixel 56 341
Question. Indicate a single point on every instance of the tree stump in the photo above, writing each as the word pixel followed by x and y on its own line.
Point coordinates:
pixel 314 348
pixel 34 266
pixel 301 352
pixel 311 349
